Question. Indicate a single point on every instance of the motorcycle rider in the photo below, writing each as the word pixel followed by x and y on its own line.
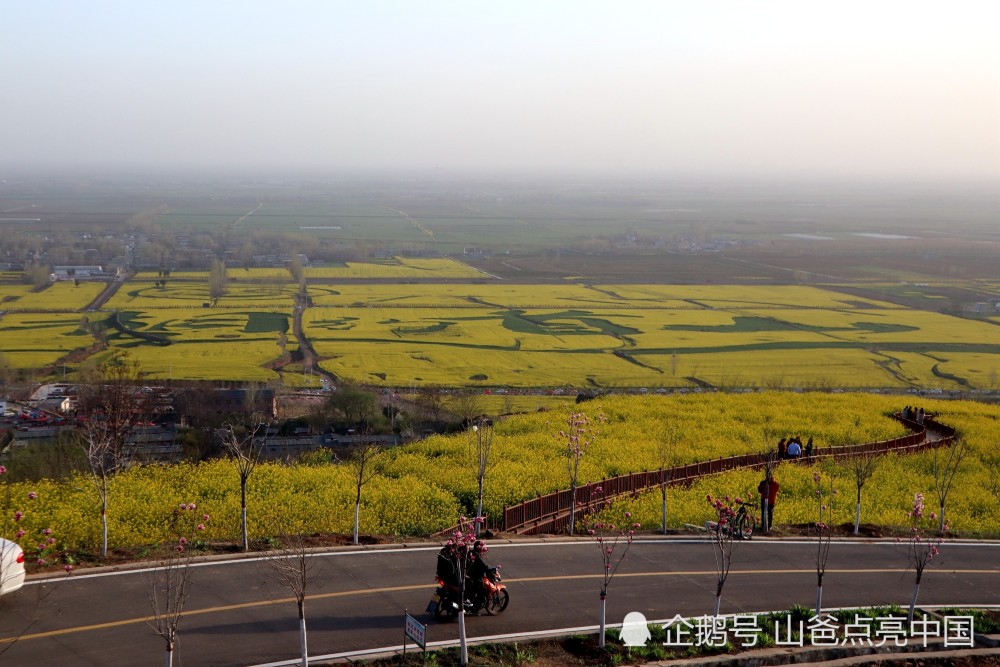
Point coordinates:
pixel 478 567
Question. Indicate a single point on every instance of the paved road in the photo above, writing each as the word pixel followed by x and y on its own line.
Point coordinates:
pixel 236 616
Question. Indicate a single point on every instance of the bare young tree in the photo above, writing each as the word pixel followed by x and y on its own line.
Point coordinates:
pixel 431 401
pixel 480 446
pixel 364 465
pixel 292 568
pixel 110 406
pixel 945 466
pixel 824 535
pixel 666 454
pixel 862 465
pixel 217 279
pixel 992 465
pixel 467 404
pixel 244 441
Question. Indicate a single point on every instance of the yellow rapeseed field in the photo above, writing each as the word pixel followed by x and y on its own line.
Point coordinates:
pixel 425 486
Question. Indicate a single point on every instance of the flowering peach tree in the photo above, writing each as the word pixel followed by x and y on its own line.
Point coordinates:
pixel 722 533
pixel 461 545
pixel 921 548
pixel 170 584
pixel 613 542
pixel 578 436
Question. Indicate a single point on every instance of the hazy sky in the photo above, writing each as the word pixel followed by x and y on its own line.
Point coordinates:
pixel 841 88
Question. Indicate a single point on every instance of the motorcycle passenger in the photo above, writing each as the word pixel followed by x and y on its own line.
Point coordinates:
pixel 447 565
pixel 478 567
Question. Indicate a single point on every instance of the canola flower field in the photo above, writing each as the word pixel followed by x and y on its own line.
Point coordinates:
pixel 425 486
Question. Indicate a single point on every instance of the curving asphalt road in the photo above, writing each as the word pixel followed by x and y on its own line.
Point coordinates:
pixel 237 615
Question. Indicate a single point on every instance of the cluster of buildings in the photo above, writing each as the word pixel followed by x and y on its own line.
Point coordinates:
pixel 53 410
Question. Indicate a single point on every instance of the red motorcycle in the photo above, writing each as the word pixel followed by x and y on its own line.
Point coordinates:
pixel 494 599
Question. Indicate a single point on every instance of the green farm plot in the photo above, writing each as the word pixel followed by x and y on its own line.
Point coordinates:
pixel 36 340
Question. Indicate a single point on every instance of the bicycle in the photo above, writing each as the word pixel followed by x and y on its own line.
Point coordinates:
pixel 745 521
pixel 742 524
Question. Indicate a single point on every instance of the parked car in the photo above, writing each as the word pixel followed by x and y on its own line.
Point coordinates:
pixel 11 567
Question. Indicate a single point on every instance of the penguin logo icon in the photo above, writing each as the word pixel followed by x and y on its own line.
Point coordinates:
pixel 635 632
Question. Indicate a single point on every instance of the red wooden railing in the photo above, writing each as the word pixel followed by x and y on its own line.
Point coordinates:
pixel 550 513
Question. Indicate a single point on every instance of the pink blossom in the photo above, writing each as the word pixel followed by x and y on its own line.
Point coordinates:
pixel 628 515
pixel 40 561
pixel 204 517
pixel 191 506
pixel 47 531
pixel 68 568
pixel 201 526
pixel 183 540
pixel 179 548
pixel 19 533
pixel 2 470
pixel 18 515
pixel 32 495
pixel 51 541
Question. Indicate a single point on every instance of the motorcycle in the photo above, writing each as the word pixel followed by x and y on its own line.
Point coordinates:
pixel 494 598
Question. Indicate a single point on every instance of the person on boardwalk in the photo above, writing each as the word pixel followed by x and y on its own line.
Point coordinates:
pixel 808 451
pixel 781 448
pixel 768 489
pixel 794 449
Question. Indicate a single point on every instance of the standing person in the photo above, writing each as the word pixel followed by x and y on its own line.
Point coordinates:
pixel 768 489
pixel 781 448
pixel 809 447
